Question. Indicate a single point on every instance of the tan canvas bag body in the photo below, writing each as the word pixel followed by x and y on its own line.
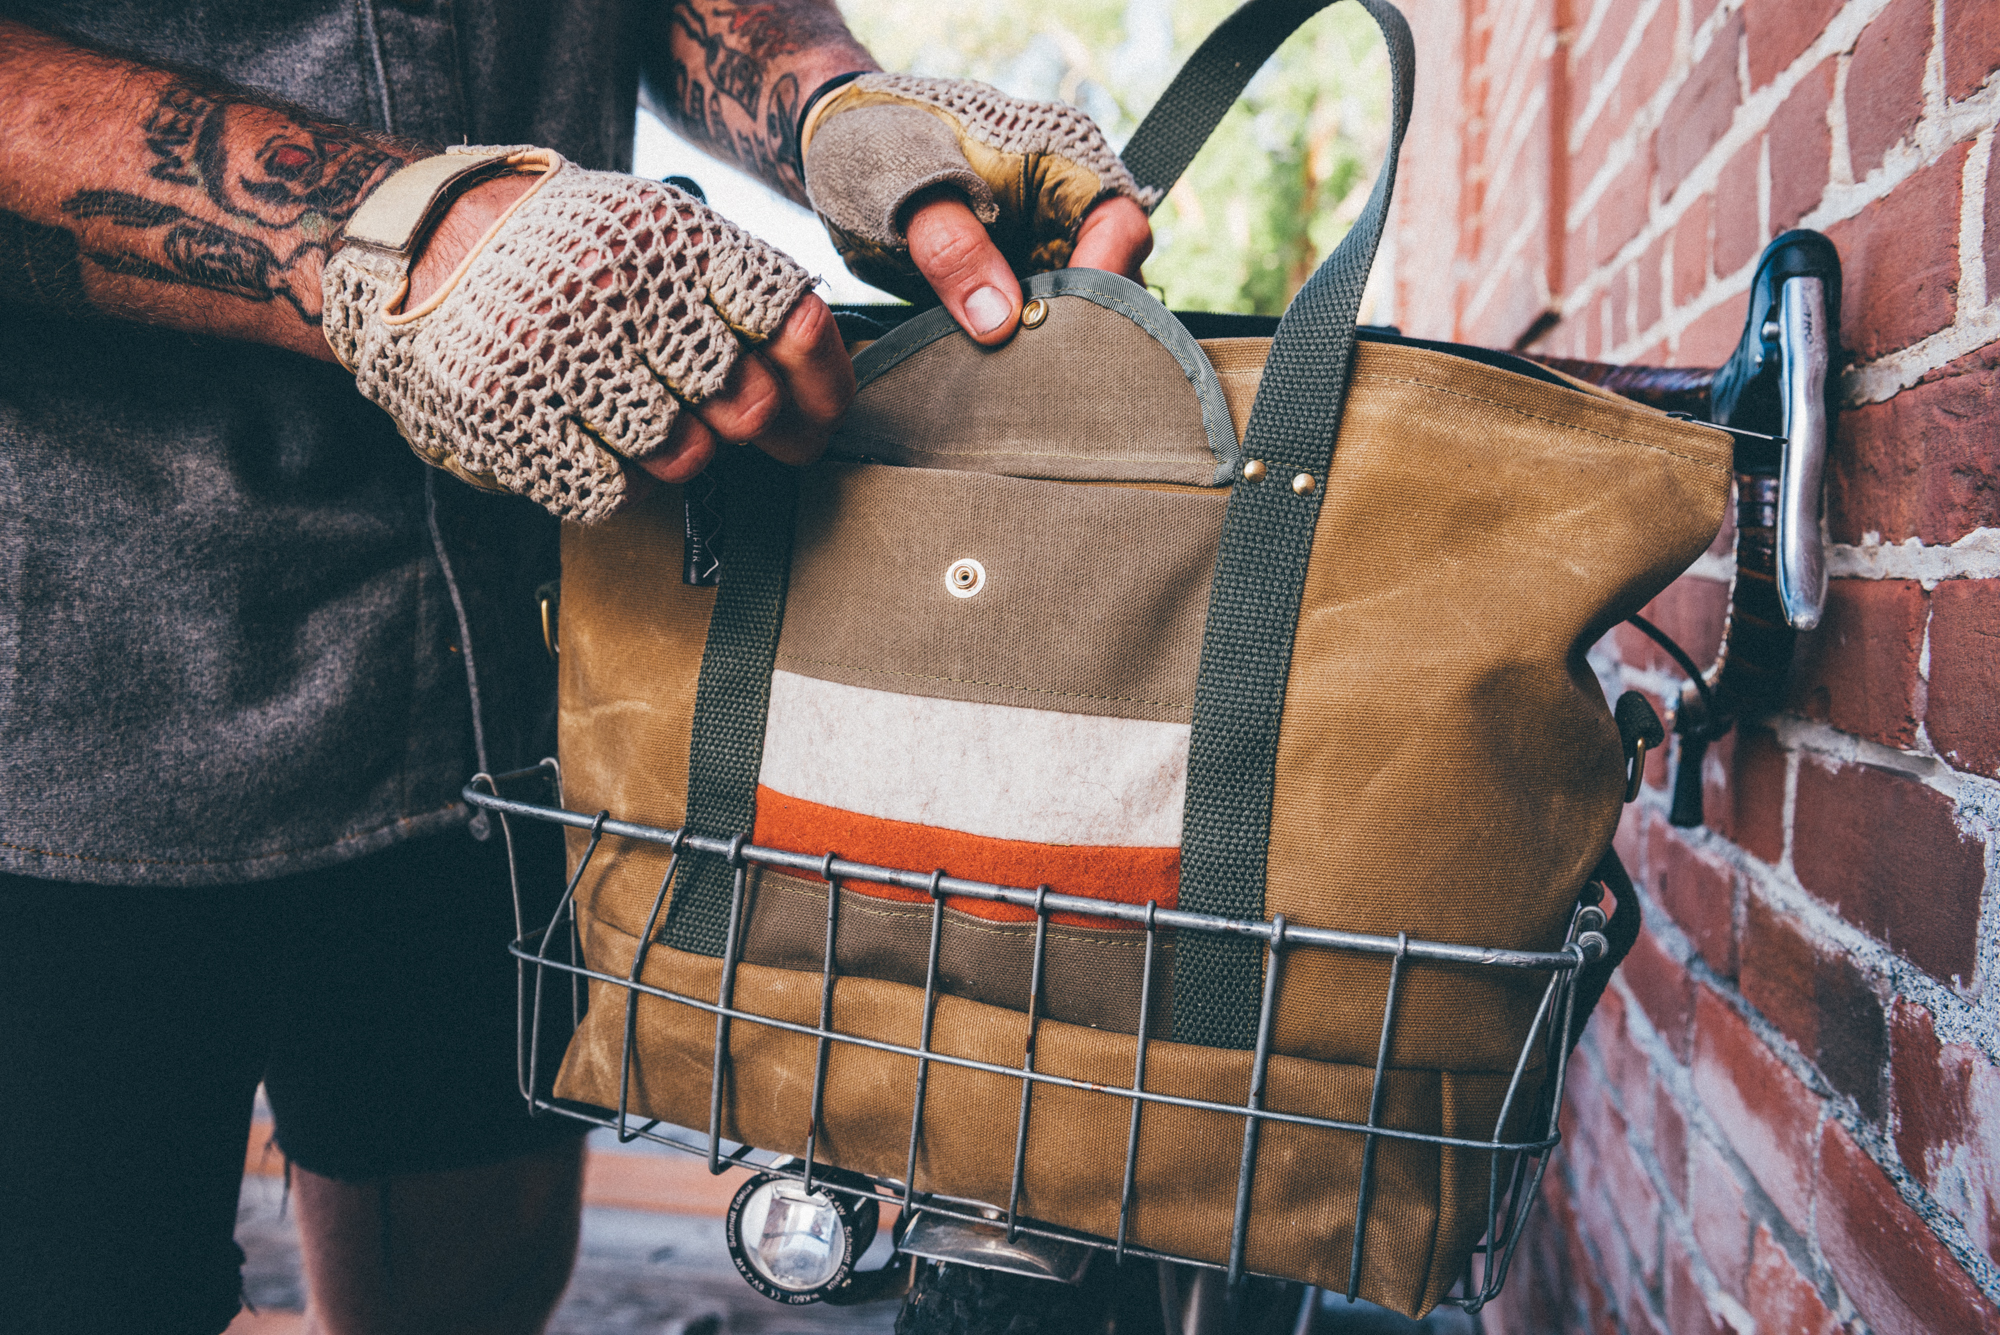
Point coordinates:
pixel 1017 625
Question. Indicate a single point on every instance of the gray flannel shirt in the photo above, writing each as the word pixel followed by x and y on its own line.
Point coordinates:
pixel 227 647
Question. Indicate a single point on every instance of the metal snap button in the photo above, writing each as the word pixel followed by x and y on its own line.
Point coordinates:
pixel 1303 484
pixel 1253 471
pixel 965 578
pixel 1034 313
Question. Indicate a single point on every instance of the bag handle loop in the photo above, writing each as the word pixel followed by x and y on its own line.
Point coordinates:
pixel 1267 535
pixel 1207 86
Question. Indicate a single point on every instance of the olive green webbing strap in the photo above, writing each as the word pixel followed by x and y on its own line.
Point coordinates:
pixel 733 693
pixel 1267 535
pixel 1207 86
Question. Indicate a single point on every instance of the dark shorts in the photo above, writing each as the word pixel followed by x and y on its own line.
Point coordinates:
pixel 374 1000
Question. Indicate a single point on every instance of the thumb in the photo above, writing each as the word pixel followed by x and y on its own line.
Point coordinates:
pixel 950 248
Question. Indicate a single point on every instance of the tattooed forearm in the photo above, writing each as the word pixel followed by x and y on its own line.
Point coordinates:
pixel 144 194
pixel 278 185
pixel 734 77
pixel 296 175
pixel 731 72
pixel 195 253
pixel 285 177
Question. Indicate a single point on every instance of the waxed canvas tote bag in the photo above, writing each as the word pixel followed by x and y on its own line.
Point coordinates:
pixel 1247 626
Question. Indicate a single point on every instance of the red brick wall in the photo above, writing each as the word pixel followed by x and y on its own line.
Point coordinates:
pixel 1786 1115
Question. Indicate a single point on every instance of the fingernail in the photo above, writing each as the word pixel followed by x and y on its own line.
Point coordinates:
pixel 988 309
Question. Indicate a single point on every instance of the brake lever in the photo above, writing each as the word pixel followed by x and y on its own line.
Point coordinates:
pixel 1776 381
pixel 1803 358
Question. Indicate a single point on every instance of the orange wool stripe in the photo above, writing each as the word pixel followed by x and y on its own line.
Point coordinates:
pixel 1126 875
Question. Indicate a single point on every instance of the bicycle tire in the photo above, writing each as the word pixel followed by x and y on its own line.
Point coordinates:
pixel 947 1299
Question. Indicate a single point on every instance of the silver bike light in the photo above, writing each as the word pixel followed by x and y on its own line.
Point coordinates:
pixel 793 1245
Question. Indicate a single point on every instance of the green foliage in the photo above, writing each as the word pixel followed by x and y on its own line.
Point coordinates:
pixel 1278 184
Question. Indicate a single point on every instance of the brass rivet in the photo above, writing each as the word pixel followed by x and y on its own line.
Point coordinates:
pixel 1034 313
pixel 965 577
pixel 1303 484
pixel 1253 471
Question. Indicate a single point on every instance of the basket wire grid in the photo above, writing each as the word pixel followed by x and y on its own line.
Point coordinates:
pixel 1515 1166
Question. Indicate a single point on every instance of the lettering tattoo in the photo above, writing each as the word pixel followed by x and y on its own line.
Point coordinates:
pixel 724 89
pixel 733 73
pixel 301 174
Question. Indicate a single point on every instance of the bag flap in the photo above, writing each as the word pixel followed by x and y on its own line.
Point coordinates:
pixel 1108 387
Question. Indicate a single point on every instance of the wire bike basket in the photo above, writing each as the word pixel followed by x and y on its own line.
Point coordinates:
pixel 550 954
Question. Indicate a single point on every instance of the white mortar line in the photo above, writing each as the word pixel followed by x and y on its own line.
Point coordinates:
pixel 1843 198
pixel 1631 329
pixel 1977 796
pixel 1661 685
pixel 1970 1015
pixel 1929 138
pixel 1498 269
pixel 1679 1081
pixel 1924 671
pixel 1840 167
pixel 1974 556
pixel 1593 24
pixel 1520 125
pixel 1779 888
pixel 1976 799
pixel 1763 189
pixel 1752 115
pixel 1665 277
pixel 1933 85
pixel 1880 381
pixel 1614 74
pixel 1942 126
pixel 1717 566
pixel 1621 152
pixel 1522 77
pixel 1678 1219
pixel 1972 294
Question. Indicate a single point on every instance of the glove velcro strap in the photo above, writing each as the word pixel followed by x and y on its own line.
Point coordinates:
pixel 403 209
pixel 392 224
pixel 544 163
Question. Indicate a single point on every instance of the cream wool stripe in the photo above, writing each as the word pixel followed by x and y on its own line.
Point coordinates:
pixel 995 770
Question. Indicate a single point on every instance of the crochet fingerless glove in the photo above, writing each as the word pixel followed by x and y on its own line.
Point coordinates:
pixel 1029 170
pixel 572 336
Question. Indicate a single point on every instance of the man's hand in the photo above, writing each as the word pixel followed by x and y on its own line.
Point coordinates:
pixel 594 318
pixel 785 397
pixel 972 278
pixel 960 187
pixel 1039 173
